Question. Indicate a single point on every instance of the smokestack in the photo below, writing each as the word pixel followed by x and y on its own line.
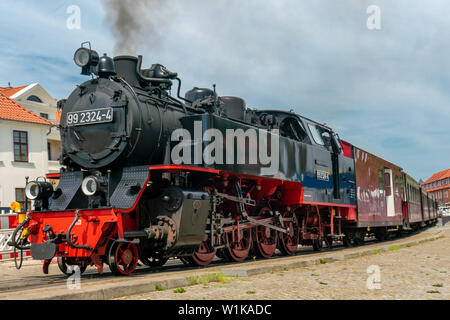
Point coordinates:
pixel 126 69
pixel 133 23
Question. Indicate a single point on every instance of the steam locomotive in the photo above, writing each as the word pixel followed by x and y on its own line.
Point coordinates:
pixel 148 176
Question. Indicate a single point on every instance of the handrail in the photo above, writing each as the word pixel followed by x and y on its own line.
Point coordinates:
pixel 68 238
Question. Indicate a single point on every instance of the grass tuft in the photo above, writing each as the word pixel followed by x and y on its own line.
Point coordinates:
pixel 193 280
pixel 394 248
pixel 251 292
pixel 159 287
pixel 323 261
pixel 376 251
pixel 215 277
pixel 433 291
pixel 438 285
pixel 179 290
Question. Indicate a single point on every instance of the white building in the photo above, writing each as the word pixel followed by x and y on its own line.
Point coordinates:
pixel 26 149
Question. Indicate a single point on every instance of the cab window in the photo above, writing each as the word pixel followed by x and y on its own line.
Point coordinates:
pixel 316 134
pixel 291 128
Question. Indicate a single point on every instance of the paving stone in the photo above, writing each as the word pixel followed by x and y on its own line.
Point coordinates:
pixel 415 272
pixel 235 273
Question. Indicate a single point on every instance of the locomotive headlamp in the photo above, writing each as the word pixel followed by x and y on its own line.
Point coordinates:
pixel 86 59
pixel 38 190
pixel 93 185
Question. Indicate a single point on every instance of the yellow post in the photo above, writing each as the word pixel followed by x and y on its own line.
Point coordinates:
pixel 21 216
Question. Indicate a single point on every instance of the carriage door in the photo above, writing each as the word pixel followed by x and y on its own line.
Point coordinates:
pixel 389 193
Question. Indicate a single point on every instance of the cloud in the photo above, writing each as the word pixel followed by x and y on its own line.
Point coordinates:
pixel 39 46
pixel 386 91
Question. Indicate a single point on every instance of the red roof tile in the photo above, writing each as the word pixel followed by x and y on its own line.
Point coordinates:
pixel 11 110
pixel 11 91
pixel 439 176
pixel 439 188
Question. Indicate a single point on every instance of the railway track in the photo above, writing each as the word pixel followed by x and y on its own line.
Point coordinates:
pixel 36 280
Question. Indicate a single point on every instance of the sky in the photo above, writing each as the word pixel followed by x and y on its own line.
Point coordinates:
pixel 384 90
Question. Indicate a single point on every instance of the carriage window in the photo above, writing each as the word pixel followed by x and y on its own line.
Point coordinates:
pixel 402 185
pixel 396 188
pixel 316 134
pixel 292 129
pixel 380 180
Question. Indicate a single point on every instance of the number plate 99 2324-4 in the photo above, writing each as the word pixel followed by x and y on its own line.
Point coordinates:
pixel 86 117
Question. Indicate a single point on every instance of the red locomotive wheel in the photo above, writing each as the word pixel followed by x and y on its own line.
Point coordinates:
pixel 123 258
pixel 288 242
pixel 265 242
pixel 204 255
pixel 238 251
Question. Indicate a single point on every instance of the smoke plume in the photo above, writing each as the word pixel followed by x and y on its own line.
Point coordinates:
pixel 134 23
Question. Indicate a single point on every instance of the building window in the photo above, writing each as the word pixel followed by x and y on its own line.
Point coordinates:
pixel 34 99
pixel 20 198
pixel 20 139
pixel 44 115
